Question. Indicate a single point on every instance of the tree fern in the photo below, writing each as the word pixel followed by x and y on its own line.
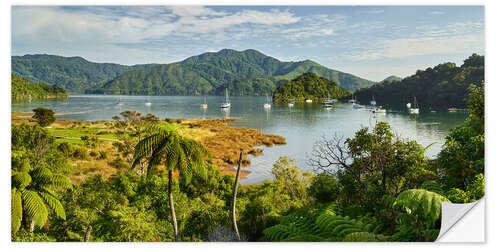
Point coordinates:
pixel 35 207
pixel 421 201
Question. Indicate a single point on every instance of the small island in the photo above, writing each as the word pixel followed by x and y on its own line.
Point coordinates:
pixel 308 86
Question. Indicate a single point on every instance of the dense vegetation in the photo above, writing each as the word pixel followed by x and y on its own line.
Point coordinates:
pixel 244 73
pixel 308 86
pixel 72 73
pixel 442 87
pixel 372 187
pixel 391 78
pixel 22 90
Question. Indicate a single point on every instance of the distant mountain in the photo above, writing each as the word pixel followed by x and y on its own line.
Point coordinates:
pixel 441 87
pixel 391 78
pixel 309 86
pixel 22 89
pixel 73 73
pixel 246 72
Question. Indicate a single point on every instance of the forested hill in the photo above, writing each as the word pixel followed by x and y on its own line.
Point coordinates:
pixel 309 86
pixel 391 78
pixel 72 73
pixel 246 72
pixel 22 89
pixel 442 87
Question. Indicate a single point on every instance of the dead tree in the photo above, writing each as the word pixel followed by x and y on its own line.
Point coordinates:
pixel 235 190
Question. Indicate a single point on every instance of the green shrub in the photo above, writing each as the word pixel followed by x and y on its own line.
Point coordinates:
pixel 80 153
pixel 65 148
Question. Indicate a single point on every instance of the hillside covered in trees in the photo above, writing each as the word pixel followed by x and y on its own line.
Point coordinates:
pixel 309 86
pixel 22 89
pixel 442 87
pixel 72 73
pixel 246 72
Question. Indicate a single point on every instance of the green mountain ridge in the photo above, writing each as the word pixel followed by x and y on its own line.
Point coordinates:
pixel 391 79
pixel 247 72
pixel 75 74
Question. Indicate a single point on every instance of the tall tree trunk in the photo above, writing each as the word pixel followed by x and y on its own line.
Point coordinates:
pixel 87 234
pixel 235 190
pixel 172 209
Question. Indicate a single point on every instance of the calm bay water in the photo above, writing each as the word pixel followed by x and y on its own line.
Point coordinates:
pixel 301 125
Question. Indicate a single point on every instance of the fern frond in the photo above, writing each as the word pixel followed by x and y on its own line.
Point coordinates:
pixel 34 206
pixel 54 204
pixel 21 180
pixel 16 210
pixel 364 237
pixel 429 203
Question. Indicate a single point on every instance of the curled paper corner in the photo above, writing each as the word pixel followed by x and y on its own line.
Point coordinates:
pixel 452 213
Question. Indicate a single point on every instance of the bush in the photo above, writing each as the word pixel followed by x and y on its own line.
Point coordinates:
pixel 93 153
pixel 44 116
pixel 65 148
pixel 324 188
pixel 119 163
pixel 80 153
pixel 102 155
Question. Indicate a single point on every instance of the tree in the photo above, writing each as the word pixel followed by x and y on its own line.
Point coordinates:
pixel 462 157
pixel 37 171
pixel 44 116
pixel 235 190
pixel 176 153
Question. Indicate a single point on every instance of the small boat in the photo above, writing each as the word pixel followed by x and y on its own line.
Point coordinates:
pixel 29 98
pixel 353 99
pixel 309 100
pixel 328 102
pixel 379 110
pixel 226 104
pixel 204 105
pixel 119 102
pixel 334 100
pixel 452 110
pixel 147 103
pixel 356 106
pixel 267 105
pixel 414 110
pixel 291 102
pixel 373 102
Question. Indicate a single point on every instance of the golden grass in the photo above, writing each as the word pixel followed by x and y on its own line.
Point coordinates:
pixel 222 141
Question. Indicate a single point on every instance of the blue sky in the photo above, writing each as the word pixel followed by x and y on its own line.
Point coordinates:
pixel 372 42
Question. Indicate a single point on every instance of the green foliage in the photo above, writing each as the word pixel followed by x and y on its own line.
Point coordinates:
pixel 22 89
pixel 308 86
pixel 44 116
pixel 421 202
pixel 38 169
pixel 446 81
pixel 462 156
pixel 324 187
pixel 473 192
pixel 72 73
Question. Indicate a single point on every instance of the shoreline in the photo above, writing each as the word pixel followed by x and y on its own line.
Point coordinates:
pixel 224 142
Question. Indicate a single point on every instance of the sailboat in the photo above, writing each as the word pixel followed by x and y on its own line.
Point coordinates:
pixel 353 100
pixel 29 98
pixel 415 109
pixel 355 105
pixel 267 105
pixel 119 102
pixel 204 105
pixel 373 102
pixel 226 104
pixel 147 103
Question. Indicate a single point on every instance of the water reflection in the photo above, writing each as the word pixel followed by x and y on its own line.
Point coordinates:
pixel 301 125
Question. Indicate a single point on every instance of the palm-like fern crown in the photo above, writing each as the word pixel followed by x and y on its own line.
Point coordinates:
pixel 165 147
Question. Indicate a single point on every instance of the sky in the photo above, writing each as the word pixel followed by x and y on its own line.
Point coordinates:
pixel 372 42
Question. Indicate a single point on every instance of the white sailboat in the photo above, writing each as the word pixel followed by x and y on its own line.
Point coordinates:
pixel 415 109
pixel 148 102
pixel 204 105
pixel 29 98
pixel 226 104
pixel 309 100
pixel 373 102
pixel 379 110
pixel 267 105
